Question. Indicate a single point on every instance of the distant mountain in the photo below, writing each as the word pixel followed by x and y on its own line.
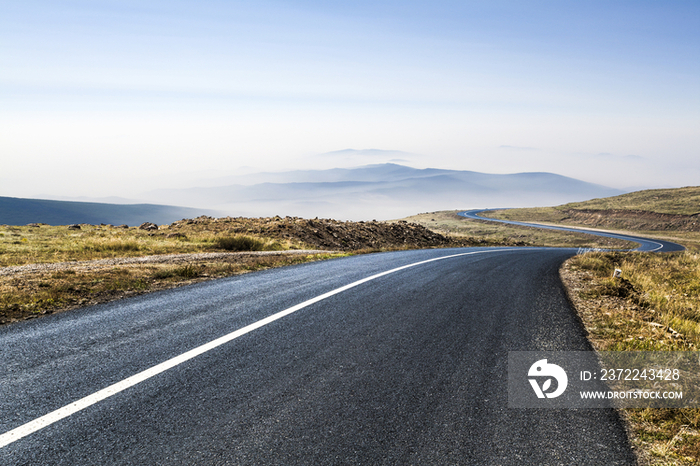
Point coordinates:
pixel 380 191
pixel 16 211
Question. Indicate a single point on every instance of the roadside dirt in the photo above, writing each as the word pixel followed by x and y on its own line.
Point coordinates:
pixel 99 264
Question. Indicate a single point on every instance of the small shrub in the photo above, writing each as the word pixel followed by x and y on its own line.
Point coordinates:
pixel 187 271
pixel 239 243
pixel 275 246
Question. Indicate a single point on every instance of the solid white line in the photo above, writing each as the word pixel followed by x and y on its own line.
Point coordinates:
pixel 72 408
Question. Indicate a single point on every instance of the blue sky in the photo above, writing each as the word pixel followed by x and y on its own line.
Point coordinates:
pixel 98 98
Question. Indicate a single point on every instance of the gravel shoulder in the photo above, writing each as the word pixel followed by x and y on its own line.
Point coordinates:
pixel 83 266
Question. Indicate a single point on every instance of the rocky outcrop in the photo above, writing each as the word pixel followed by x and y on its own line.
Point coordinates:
pixel 325 233
pixel 148 226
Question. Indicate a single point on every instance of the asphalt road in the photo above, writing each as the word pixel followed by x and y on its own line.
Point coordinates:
pixel 645 244
pixel 406 368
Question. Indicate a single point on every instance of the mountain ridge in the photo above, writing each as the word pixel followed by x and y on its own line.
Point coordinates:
pixel 376 191
pixel 379 191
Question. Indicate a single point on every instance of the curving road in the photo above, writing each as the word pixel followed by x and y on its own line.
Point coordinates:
pixel 392 358
pixel 645 244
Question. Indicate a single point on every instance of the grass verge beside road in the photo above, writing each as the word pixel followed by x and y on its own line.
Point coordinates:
pixel 653 306
pixel 26 295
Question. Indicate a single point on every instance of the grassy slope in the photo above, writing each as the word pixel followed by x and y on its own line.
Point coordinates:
pixel 26 294
pixel 679 201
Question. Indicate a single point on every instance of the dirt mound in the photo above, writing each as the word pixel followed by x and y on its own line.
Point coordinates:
pixel 324 233
pixel 632 220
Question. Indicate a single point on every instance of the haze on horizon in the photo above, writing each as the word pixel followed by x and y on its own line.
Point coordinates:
pixel 114 98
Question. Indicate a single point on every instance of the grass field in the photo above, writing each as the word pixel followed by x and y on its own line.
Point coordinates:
pixel 26 295
pixel 676 201
pixel 46 244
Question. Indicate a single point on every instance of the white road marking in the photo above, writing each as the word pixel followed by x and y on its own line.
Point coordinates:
pixel 72 408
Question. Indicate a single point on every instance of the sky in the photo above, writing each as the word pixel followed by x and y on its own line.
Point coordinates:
pixel 114 98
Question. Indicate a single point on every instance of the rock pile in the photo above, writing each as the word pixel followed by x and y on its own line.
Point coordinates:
pixel 324 233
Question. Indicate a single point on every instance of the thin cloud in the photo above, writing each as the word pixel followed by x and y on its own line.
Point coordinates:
pixel 517 148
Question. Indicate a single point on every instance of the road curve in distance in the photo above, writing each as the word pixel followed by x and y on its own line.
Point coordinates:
pixel 645 244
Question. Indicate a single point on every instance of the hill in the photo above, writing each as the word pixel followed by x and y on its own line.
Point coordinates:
pixel 679 201
pixel 17 211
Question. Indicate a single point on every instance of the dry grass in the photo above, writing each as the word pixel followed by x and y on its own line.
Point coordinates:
pixel 27 295
pixel 30 245
pixel 654 306
pixel 669 214
pixel 676 201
